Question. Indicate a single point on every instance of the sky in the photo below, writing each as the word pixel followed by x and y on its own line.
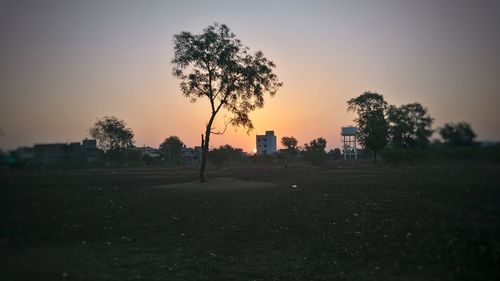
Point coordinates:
pixel 66 64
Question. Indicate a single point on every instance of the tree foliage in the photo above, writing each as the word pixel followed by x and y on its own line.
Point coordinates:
pixel 371 122
pixel 318 144
pixel 290 143
pixel 215 65
pixel 314 151
pixel 171 147
pixel 409 126
pixel 224 155
pixel 460 134
pixel 112 134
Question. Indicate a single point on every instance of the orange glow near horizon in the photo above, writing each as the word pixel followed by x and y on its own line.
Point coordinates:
pixel 286 113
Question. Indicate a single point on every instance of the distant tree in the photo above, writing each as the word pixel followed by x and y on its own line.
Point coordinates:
pixel 335 153
pixel 112 134
pixel 290 143
pixel 224 154
pixel 215 65
pixel 409 126
pixel 314 151
pixel 460 134
pixel 171 147
pixel 372 126
pixel 318 144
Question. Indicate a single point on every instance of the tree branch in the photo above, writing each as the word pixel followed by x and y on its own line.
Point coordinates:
pixel 220 132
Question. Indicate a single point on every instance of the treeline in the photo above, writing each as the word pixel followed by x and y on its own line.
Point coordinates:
pixel 312 153
pixel 396 133
pixel 117 142
pixel 402 133
pixel 112 146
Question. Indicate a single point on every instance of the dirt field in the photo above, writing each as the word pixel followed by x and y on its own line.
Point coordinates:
pixel 347 222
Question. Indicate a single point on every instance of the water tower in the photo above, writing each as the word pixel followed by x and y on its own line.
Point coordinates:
pixel 348 135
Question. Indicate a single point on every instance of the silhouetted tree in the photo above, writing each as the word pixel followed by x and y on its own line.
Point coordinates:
pixel 314 151
pixel 460 134
pixel 371 123
pixel 112 134
pixel 215 65
pixel 290 143
pixel 171 147
pixel 409 126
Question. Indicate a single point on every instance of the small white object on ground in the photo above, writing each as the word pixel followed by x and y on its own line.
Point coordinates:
pixel 294 186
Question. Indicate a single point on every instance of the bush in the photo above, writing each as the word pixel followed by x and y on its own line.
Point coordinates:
pixel 314 151
pixel 264 160
pixel 225 155
pixel 410 155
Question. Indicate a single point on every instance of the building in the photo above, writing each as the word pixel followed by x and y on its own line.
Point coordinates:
pixel 58 153
pixel 22 156
pixel 89 151
pixel 266 144
pixel 145 152
pixel 48 154
pixel 190 155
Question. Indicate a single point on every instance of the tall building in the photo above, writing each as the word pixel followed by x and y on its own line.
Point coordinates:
pixel 266 144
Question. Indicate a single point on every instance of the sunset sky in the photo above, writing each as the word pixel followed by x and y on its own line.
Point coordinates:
pixel 64 64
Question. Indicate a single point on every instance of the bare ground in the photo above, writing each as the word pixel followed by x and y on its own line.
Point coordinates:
pixel 350 221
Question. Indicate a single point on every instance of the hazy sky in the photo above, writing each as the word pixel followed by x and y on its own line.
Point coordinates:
pixel 64 64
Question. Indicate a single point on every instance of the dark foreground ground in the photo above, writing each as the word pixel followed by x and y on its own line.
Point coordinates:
pixel 347 222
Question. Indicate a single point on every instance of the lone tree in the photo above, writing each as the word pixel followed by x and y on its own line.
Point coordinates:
pixel 215 65
pixel 460 134
pixel 171 147
pixel 372 126
pixel 290 143
pixel 409 126
pixel 112 134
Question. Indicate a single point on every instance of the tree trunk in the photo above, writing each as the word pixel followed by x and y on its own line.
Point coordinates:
pixel 375 156
pixel 203 160
pixel 204 148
